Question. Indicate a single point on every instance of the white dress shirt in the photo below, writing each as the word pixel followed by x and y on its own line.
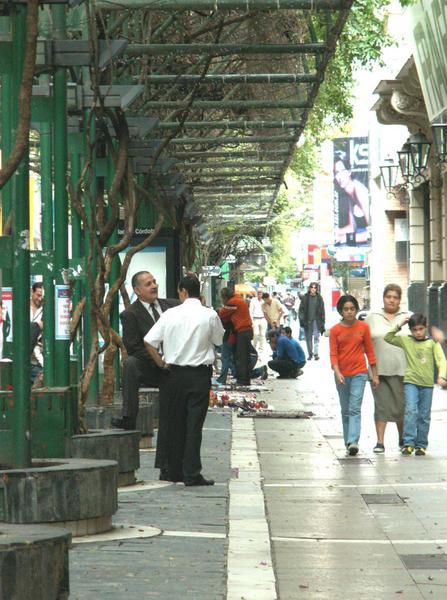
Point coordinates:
pixel 188 333
pixel 256 311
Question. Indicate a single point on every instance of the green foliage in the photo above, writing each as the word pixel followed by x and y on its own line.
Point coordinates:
pixel 360 46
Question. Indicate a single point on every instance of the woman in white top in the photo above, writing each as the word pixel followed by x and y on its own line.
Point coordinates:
pixel 389 395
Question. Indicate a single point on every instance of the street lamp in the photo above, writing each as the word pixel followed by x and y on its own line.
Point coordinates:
pixel 388 172
pixel 420 152
pixel 404 157
pixel 440 139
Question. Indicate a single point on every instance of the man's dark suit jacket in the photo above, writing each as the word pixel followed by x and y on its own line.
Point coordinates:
pixel 136 322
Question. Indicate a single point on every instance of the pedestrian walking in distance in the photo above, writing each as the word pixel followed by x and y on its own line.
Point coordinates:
pixel 349 341
pixel 312 319
pixel 422 354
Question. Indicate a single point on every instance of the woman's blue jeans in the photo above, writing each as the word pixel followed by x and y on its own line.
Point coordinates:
pixel 351 397
pixel 417 414
pixel 227 360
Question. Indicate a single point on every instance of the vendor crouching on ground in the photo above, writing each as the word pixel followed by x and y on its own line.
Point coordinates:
pixel 288 356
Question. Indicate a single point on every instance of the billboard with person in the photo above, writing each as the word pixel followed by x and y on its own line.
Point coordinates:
pixel 351 193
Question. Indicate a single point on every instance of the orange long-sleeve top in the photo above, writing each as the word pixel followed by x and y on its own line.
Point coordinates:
pixel 240 317
pixel 348 346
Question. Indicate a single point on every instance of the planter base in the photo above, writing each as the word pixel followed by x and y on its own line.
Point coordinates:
pixel 63 491
pixel 111 444
pixel 33 562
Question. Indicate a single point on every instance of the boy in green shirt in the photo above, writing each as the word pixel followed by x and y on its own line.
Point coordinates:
pixel 422 354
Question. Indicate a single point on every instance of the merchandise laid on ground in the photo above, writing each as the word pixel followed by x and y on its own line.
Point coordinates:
pixel 290 516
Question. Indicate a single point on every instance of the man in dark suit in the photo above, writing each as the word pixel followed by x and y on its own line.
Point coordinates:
pixel 139 369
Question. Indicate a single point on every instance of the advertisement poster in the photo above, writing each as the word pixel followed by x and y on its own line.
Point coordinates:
pixel 351 193
pixel 62 311
pixel 7 313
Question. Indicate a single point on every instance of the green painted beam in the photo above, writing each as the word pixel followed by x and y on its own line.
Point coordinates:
pixel 214 5
pixel 138 50
pixel 228 165
pixel 254 139
pixel 230 154
pixel 233 78
pixel 230 125
pixel 227 104
pixel 271 176
pixel 226 187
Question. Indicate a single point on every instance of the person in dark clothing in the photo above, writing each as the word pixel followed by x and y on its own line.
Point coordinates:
pixel 312 319
pixel 288 356
pixel 139 369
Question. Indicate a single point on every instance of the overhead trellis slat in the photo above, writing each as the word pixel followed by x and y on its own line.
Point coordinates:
pixel 136 50
pixel 215 5
pixel 233 78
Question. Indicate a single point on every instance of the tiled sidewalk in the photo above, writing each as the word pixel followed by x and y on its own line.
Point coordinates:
pixel 290 516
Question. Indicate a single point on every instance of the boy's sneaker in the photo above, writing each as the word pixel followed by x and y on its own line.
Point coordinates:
pixel 407 450
pixel 353 449
pixel 379 448
pixel 420 452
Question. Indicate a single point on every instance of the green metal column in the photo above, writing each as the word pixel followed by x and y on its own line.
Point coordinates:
pixel 6 104
pixel 47 244
pixel 75 173
pixel 21 421
pixel 62 347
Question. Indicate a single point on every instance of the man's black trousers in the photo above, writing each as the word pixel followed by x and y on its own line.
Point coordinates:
pixel 188 390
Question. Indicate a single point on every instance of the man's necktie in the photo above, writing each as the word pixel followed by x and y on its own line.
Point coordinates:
pixel 155 313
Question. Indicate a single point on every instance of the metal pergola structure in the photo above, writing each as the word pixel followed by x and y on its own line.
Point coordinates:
pixel 186 108
pixel 230 85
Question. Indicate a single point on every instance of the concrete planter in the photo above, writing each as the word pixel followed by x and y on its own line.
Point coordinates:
pixel 111 444
pixel 100 417
pixel 33 562
pixel 78 494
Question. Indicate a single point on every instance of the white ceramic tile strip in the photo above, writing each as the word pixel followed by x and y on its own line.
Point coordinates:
pixel 250 570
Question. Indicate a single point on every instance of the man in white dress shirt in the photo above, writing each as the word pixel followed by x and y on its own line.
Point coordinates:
pixel 188 334
pixel 259 327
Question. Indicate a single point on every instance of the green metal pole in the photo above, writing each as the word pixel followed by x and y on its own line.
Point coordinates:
pixel 47 244
pixel 76 252
pixel 230 104
pixel 224 78
pixel 62 349
pixel 6 107
pixel 246 5
pixel 222 49
pixel 20 318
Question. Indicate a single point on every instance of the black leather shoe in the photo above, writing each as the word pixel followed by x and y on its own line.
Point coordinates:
pixel 122 423
pixel 165 476
pixel 200 480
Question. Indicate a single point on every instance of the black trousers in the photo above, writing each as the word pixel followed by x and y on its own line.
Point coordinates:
pixel 139 373
pixel 188 389
pixel 242 356
pixel 285 367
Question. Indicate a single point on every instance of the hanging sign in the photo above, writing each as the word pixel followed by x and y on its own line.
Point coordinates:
pixel 7 313
pixel 62 311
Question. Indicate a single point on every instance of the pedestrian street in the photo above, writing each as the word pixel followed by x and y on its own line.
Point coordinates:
pixel 291 516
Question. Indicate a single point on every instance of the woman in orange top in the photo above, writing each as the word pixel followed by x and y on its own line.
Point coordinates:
pixel 349 341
